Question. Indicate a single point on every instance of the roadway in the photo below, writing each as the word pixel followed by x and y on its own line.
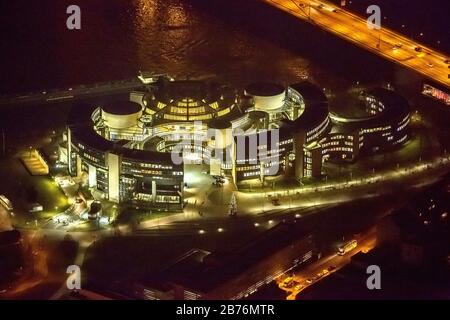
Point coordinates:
pixel 38 280
pixel 383 42
pixel 256 208
pixel 76 92
pixel 414 176
pixel 255 212
pixel 219 222
pixel 325 266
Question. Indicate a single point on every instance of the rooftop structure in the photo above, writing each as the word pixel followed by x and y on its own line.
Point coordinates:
pixel 136 150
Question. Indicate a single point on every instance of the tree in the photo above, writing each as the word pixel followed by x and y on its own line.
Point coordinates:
pixel 233 205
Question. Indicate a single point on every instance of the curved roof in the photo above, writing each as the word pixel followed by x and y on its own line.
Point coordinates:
pixel 264 89
pixel 189 101
pixel 316 108
pixel 86 135
pixel 196 97
pixel 122 108
pixel 396 108
pixel 309 92
pixel 166 91
pixel 82 130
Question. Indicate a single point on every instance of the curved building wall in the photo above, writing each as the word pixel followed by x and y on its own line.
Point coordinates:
pixel 150 177
pixel 387 128
pixel 266 96
pixel 269 103
pixel 123 174
pixel 293 136
pixel 123 121
pixel 260 154
pixel 390 127
pixel 87 152
pixel 223 138
pixel 304 138
pixel 341 146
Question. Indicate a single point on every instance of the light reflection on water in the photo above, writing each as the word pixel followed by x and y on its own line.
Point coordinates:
pixel 173 37
pixel 118 38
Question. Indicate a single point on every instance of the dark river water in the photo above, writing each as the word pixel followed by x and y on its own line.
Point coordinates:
pixel 238 41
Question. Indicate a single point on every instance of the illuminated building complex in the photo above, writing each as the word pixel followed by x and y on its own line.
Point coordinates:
pixel 136 150
pixel 385 127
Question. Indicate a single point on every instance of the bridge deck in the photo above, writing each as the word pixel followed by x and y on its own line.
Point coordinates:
pixel 353 28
